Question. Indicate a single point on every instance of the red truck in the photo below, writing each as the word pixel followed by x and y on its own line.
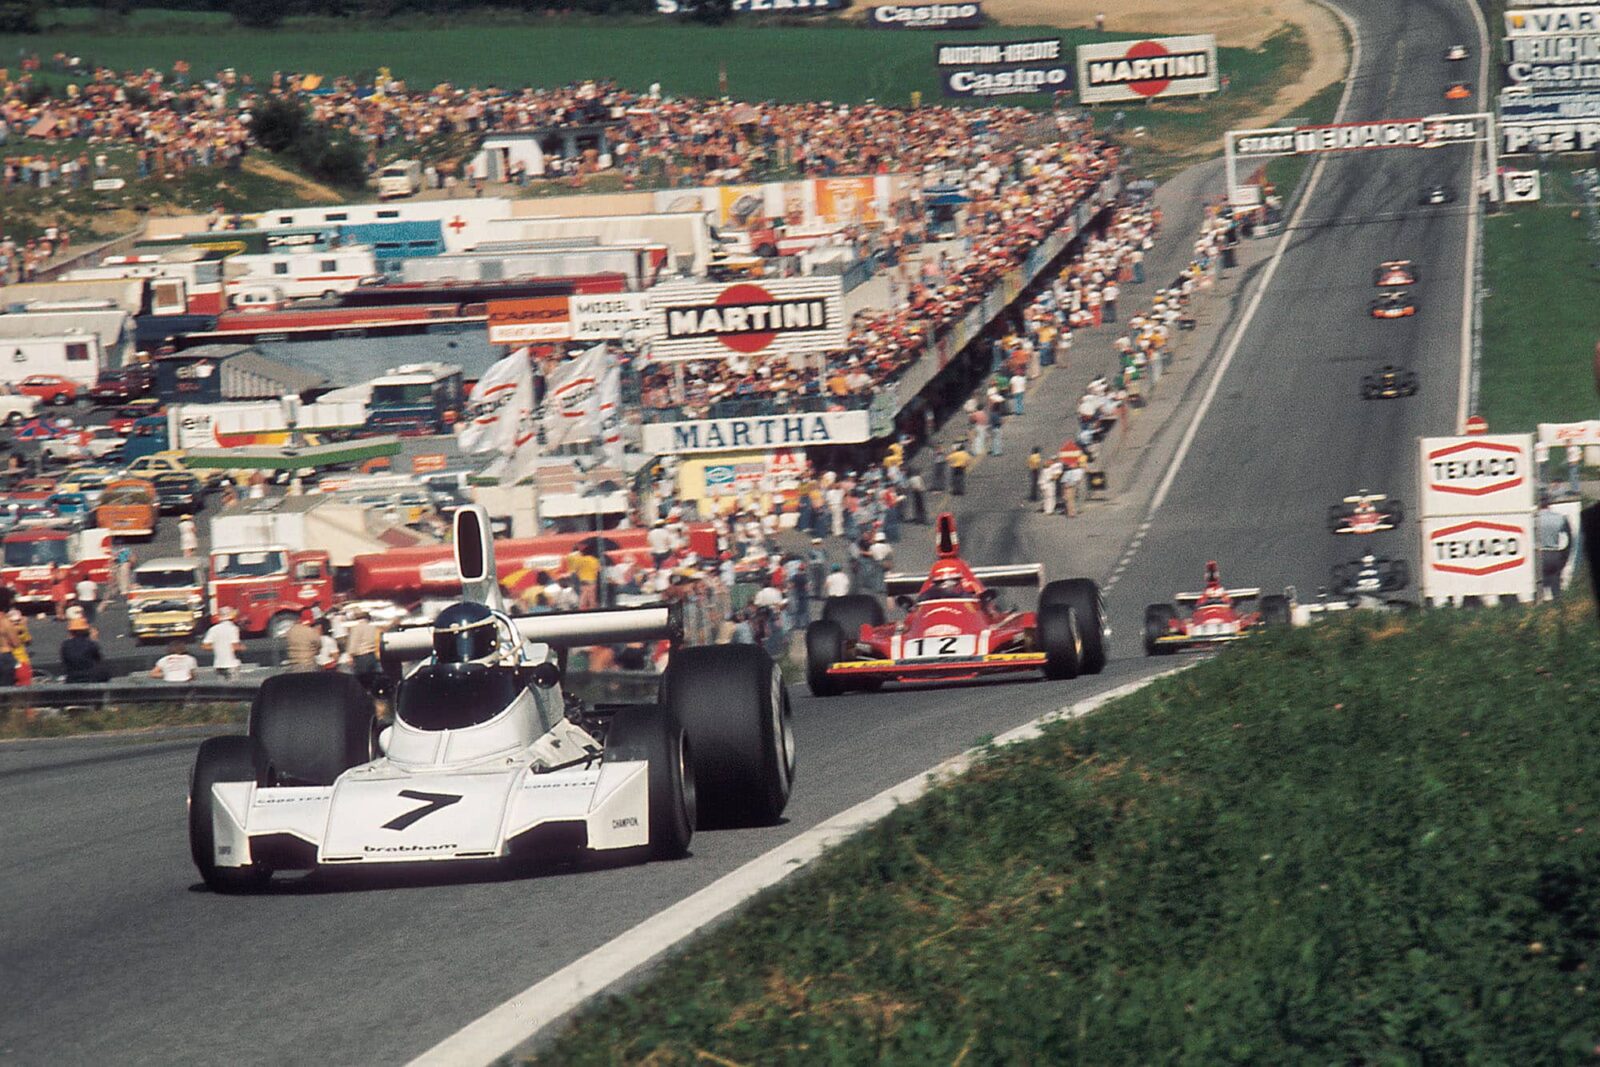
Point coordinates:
pixel 406 575
pixel 44 566
pixel 269 586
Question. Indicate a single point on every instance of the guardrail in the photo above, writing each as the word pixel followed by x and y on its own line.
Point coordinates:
pixel 608 687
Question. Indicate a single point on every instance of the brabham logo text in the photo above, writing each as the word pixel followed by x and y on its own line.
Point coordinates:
pixel 411 848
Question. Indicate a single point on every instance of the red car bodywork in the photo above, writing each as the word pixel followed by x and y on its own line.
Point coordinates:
pixel 953 629
pixel 49 388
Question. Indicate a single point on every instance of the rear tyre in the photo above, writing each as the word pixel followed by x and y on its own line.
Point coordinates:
pixel 311 728
pixel 1089 604
pixel 1397 512
pixel 735 708
pixel 656 736
pixel 1158 620
pixel 60 400
pixel 1402 574
pixel 221 759
pixel 1062 641
pixel 824 648
pixel 853 612
pixel 1275 610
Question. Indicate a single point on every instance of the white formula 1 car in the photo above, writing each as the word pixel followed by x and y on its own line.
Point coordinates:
pixel 486 759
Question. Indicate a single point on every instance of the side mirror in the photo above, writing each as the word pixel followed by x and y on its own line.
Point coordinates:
pixel 905 602
pixel 383 688
pixel 989 596
pixel 546 675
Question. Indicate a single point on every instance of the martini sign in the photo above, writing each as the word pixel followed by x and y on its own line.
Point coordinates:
pixel 1147 70
pixel 795 316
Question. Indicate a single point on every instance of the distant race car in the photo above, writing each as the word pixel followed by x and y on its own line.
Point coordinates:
pixel 1396 305
pixel 1388 383
pixel 1456 53
pixel 1458 91
pixel 1215 617
pixel 1370 576
pixel 1365 513
pixel 955 628
pixel 487 759
pixel 1437 194
pixel 1395 272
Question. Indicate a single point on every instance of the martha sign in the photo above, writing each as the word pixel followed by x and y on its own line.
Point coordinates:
pixel 758 433
pixel 1147 70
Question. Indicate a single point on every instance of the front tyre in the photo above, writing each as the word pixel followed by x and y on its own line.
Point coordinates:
pixel 311 727
pixel 1275 611
pixel 221 759
pixel 1158 620
pixel 824 648
pixel 1087 602
pixel 734 706
pixel 655 736
pixel 1062 641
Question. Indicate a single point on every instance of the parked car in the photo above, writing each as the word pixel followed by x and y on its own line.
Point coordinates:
pixel 121 386
pixel 51 389
pixel 87 443
pixel 16 407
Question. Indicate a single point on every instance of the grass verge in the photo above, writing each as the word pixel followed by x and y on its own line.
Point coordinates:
pixel 65 722
pixel 1541 312
pixel 1372 841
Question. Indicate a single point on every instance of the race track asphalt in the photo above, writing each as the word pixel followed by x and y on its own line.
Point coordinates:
pixel 111 950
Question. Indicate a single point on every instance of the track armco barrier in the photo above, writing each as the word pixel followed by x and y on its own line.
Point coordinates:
pixel 612 687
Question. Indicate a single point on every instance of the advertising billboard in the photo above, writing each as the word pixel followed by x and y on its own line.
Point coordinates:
pixel 536 319
pixel 1476 474
pixel 1147 70
pixel 792 316
pixel 1003 68
pixel 964 16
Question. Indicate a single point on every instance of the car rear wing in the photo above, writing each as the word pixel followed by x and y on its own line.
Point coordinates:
pixel 1233 594
pixel 1365 498
pixel 1017 576
pixel 572 629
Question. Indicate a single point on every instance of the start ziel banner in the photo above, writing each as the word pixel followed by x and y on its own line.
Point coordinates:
pixel 1355 136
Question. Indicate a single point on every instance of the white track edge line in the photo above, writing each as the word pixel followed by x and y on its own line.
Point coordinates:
pixel 1469 272
pixel 547 1001
pixel 1266 280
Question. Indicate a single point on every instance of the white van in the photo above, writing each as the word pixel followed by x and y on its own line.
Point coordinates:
pixel 403 177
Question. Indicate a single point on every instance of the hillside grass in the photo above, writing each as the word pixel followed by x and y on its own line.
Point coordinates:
pixel 1371 841
pixel 1541 312
pixel 827 60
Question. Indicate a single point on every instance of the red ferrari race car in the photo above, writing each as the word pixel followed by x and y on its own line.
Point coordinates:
pixel 1365 513
pixel 1215 617
pixel 1393 306
pixel 955 628
pixel 1395 272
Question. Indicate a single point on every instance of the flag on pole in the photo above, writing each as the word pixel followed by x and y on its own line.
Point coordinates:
pixel 502 399
pixel 572 399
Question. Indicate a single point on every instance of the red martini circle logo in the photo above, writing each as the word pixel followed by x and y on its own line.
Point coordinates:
pixel 1152 86
pixel 740 295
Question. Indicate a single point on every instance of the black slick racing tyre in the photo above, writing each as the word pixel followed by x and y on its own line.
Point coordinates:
pixel 734 706
pixel 656 736
pixel 221 759
pixel 853 612
pixel 1397 512
pixel 1275 610
pixel 1061 641
pixel 1158 620
pixel 1090 606
pixel 311 727
pixel 824 648
pixel 1401 575
pixel 1369 389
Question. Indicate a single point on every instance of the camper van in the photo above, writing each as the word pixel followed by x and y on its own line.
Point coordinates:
pixel 301 274
pixel 403 177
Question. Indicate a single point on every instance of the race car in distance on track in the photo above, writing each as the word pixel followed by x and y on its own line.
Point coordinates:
pixel 1214 618
pixel 486 758
pixel 1388 383
pixel 1458 91
pixel 1456 53
pixel 1365 513
pixel 1396 305
pixel 1395 272
pixel 955 628
pixel 1437 194
pixel 1370 576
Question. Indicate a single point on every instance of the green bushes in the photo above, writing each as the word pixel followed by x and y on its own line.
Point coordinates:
pixel 282 127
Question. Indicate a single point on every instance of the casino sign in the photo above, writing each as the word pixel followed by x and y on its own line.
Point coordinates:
pixel 792 316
